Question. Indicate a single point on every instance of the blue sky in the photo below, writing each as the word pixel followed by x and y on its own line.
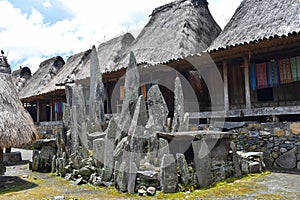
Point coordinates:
pixel 34 30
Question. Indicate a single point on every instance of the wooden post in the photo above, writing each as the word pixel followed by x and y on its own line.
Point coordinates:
pixel 1 162
pixel 38 111
pixel 51 110
pixel 247 82
pixel 55 112
pixel 225 80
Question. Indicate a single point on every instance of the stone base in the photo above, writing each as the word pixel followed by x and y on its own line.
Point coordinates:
pixel 12 157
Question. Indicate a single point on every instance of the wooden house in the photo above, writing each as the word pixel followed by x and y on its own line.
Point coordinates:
pixel 175 30
pixel 39 106
pixel 257 54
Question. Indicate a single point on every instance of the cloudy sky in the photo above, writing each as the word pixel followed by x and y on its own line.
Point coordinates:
pixel 34 30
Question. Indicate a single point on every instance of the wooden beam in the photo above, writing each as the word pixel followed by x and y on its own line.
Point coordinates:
pixel 247 82
pixel 225 80
pixel 255 112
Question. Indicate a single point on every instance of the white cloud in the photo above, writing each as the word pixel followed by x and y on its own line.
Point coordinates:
pixel 47 4
pixel 29 40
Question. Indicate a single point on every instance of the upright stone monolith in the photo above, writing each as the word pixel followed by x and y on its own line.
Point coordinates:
pixel 131 93
pixel 202 162
pixel 78 122
pixel 109 150
pixel 157 109
pixel 168 174
pixel 178 107
pixel 183 168
pixel 136 131
pixel 98 151
pixel 96 104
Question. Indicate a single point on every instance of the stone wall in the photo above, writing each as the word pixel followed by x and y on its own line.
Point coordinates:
pixel 279 142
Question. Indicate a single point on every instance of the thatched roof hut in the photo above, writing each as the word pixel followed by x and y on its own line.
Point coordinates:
pixel 67 73
pixel 16 125
pixel 175 30
pixel 77 66
pixel 20 77
pixel 39 80
pixel 110 54
pixel 257 20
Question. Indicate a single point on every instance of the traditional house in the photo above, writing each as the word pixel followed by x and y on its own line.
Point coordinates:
pixel 258 56
pixel 38 106
pixel 174 31
pixel 17 127
pixel 20 77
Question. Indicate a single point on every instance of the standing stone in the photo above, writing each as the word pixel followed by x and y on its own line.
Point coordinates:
pixel 157 109
pixel 288 160
pixel 136 134
pixel 53 165
pixel 178 107
pixel 96 104
pixel 109 150
pixel 163 148
pixel 183 168
pixel 132 177
pixel 79 126
pixel 236 164
pixel 98 151
pixel 121 179
pixel 185 124
pixel 115 174
pixel 202 162
pixel 168 174
pixel 67 117
pixel 131 93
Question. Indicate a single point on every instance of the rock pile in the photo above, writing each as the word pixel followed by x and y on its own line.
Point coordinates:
pixel 279 143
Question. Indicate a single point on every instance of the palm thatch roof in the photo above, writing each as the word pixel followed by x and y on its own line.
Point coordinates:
pixel 77 66
pixel 256 20
pixel 175 30
pixel 16 125
pixel 39 80
pixel 20 77
pixel 68 72
pixel 110 54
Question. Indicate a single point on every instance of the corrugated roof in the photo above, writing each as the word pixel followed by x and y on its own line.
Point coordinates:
pixel 256 20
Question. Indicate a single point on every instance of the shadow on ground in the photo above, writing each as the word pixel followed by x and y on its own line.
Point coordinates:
pixel 14 184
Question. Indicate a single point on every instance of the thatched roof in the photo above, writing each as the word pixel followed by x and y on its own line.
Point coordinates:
pixel 175 30
pixel 20 77
pixel 109 54
pixel 256 20
pixel 39 80
pixel 68 71
pixel 77 66
pixel 16 125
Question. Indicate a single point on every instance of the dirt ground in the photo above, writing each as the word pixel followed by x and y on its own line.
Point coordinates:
pixel 20 183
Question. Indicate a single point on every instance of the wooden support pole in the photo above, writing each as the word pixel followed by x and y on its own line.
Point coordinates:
pixel 1 162
pixel 38 111
pixel 247 82
pixel 51 110
pixel 225 80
